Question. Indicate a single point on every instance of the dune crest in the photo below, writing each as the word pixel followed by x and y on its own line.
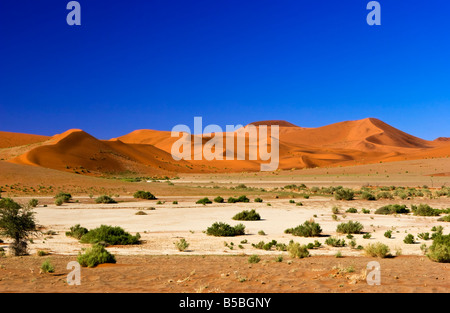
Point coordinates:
pixel 148 151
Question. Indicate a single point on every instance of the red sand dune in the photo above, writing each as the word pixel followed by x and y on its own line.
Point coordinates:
pixel 148 151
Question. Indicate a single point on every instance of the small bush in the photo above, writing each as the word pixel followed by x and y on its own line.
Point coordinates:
pixel 181 244
pixel 140 213
pixel 220 229
pixel 439 250
pixel 33 203
pixel 105 199
pixel 64 196
pixel 424 210
pixel 204 201
pixel 351 210
pixel 388 234
pixel 94 256
pixel 247 216
pixel 218 199
pixel 59 201
pixel 409 239
pixel 239 199
pixel 350 228
pixel 175 202
pixel 307 229
pixel 392 209
pixel 258 200
pixel 344 194
pixel 47 267
pixel 377 250
pixel 110 235
pixel 254 259
pixel 365 211
pixel 334 242
pixel 77 232
pixel 146 195
pixel 444 218
pixel 297 250
pixel 365 195
pixel 291 201
pixel 385 195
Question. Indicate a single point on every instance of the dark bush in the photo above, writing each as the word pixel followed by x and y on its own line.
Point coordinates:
pixel 344 194
pixel 307 229
pixel 220 229
pixel 64 196
pixel 219 199
pixel 110 235
pixel 392 209
pixel 77 231
pixel 247 216
pixel 146 195
pixel 204 201
pixel 105 199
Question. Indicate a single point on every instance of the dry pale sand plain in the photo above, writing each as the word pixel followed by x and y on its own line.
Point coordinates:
pixel 210 266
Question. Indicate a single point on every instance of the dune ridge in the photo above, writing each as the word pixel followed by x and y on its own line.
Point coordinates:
pixel 148 151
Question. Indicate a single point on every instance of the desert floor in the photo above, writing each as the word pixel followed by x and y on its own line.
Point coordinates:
pixel 220 264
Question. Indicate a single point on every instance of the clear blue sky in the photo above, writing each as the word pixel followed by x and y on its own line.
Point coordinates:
pixel 154 64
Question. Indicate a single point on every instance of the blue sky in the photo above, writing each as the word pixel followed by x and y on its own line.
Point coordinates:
pixel 154 64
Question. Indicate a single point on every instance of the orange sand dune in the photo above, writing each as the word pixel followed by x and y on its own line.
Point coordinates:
pixel 8 139
pixel 148 151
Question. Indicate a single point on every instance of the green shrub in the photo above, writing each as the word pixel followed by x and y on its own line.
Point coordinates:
pixel 367 236
pixel 64 196
pixel 307 229
pixel 335 242
pixel 239 199
pixel 424 236
pixel 409 239
pixel 247 216
pixel 175 202
pixel 146 195
pixel 47 267
pixel 444 218
pixel 385 195
pixel 18 223
pixel 388 234
pixel 439 251
pixel 297 250
pixel 94 256
pixel 33 203
pixel 254 259
pixel 377 250
pixel 351 210
pixel 291 201
pixel 218 199
pixel 220 229
pixel 182 244
pixel 204 201
pixel 105 199
pixel 77 231
pixel 365 195
pixel 344 194
pixel 392 209
pixel 365 211
pixel 59 201
pixel 424 210
pixel 109 235
pixel 350 228
pixel 258 200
